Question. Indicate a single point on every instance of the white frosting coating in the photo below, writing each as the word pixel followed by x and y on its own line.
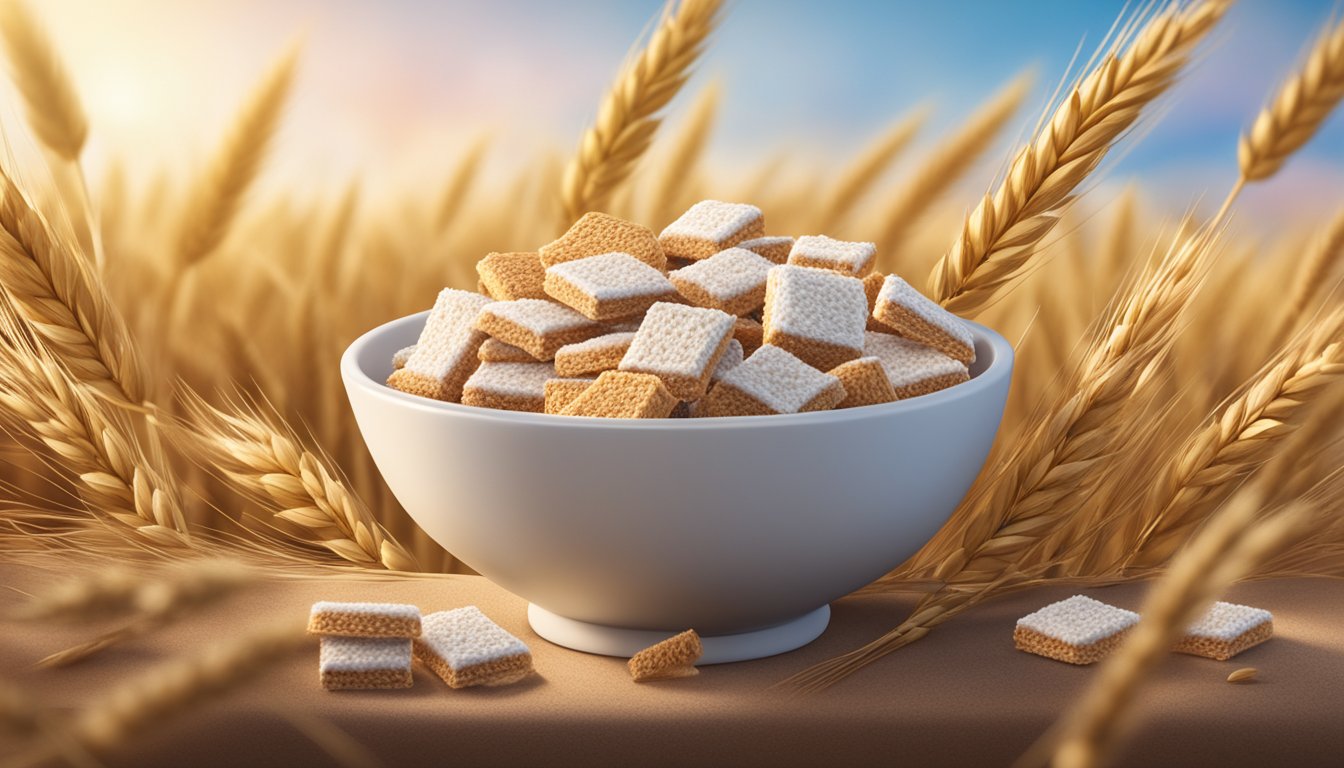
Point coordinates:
pixel 851 257
pixel 449 334
pixel 769 242
pixel 897 291
pixel 732 357
pixel 465 637
pixel 907 362
pixel 402 355
pixel 364 654
pixel 713 221
pixel 778 379
pixel 677 340
pixel 727 274
pixel 1227 621
pixel 537 315
pixel 612 276
pixel 512 379
pixel 391 610
pixel 598 343
pixel 1079 620
pixel 817 304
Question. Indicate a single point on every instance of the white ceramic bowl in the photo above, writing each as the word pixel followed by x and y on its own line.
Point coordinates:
pixel 620 532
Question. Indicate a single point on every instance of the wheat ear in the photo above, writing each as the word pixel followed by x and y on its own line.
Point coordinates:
pixel 1058 461
pixel 267 464
pixel 1315 272
pixel 627 119
pixel 49 95
pixel 1238 439
pixel 945 164
pixel 860 176
pixel 219 194
pixel 1235 542
pixel 1002 233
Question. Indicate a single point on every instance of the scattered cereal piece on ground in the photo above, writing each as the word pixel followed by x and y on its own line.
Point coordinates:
pixel 816 314
pixel 509 386
pixel 360 663
pixel 598 233
pixel 913 368
pixel 512 276
pixel 1227 630
pixel 822 252
pixel 772 381
pixel 465 648
pixel 776 249
pixel 681 345
pixel 608 286
pixel 866 382
pixel 1078 630
pixel 598 354
pixel 731 280
pixel 710 226
pixel 540 327
pixel 672 658
pixel 445 354
pixel 622 395
pixel 364 619
pixel 917 317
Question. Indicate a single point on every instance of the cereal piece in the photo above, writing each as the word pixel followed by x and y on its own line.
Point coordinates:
pixel 399 359
pixel 495 351
pixel 914 369
pixel 465 648
pixel 710 226
pixel 772 381
pixel 681 345
pixel 732 357
pixel 776 249
pixel 361 663
pixel 561 392
pixel 622 395
pixel 816 314
pixel 1227 630
pixel 537 326
pixel 732 281
pixel 749 334
pixel 872 285
pixel 608 286
pixel 598 354
pixel 866 382
pixel 916 316
pixel 364 619
pixel 512 276
pixel 445 355
pixel 598 233
pixel 509 386
pixel 1078 630
pixel 848 258
pixel 672 658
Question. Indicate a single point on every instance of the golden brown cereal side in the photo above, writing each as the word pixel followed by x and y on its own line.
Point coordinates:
pixel 510 276
pixel 865 381
pixel 624 395
pixel 598 233
pixel 561 392
pixel 672 658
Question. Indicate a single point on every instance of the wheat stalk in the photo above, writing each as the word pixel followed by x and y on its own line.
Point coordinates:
pixel 942 166
pixel 1326 252
pixel 218 195
pixel 49 95
pixel 685 154
pixel 627 119
pixel 1001 235
pixel 1236 541
pixel 859 177
pixel 468 168
pixel 269 465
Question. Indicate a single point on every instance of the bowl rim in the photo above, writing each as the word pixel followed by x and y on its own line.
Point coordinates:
pixel 1000 368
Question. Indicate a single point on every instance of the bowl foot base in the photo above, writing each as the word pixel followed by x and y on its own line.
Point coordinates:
pixel 719 649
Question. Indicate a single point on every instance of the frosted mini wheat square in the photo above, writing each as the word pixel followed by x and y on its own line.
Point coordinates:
pixel 866 382
pixel 913 368
pixel 509 386
pixel 465 648
pixel 710 226
pixel 597 233
pixel 624 395
pixel 776 248
pixel 598 354
pixel 849 258
pixel 362 663
pixel 511 276
pixel 681 345
pixel 607 286
pixel 1078 630
pixel 560 392
pixel 731 280
pixel 364 619
pixel 816 314
pixel 537 326
pixel 916 316
pixel 1226 630
pixel 772 381
pixel 445 354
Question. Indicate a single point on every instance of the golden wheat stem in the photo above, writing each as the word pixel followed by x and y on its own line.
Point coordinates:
pixel 683 159
pixel 627 120
pixel 1315 272
pixel 49 94
pixel 1002 233
pixel 865 170
pixel 460 183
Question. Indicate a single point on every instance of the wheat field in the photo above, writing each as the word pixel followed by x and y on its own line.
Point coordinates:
pixel 170 351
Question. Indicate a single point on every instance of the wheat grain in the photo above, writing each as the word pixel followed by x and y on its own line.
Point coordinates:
pixel 219 194
pixel 50 96
pixel 269 465
pixel 1002 233
pixel 945 164
pixel 627 120
pixel 1243 675
pixel 854 181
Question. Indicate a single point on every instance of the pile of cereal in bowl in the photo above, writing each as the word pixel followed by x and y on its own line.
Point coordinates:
pixel 710 318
